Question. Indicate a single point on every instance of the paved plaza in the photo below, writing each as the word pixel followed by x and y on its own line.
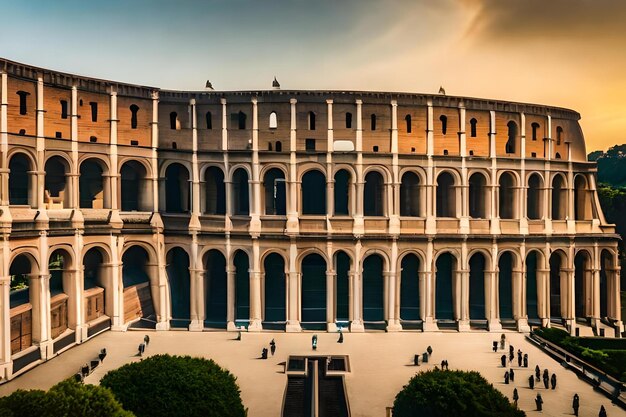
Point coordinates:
pixel 381 363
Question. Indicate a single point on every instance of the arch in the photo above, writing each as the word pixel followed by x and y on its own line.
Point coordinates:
pixel 311 120
pixel 373 122
pixel 241 193
pixel 96 284
pixel 177 196
pixel 60 285
pixel 535 128
pixel 446 195
pixel 507 200
pixel 557 275
pixel 209 120
pixel 534 197
pixel 135 187
pixel 473 123
pixel 342 286
pixel 178 275
pixel 23 331
pixel 273 120
pixel 133 116
pixel 445 280
pixel 407 120
pixel 409 195
pixel 314 193
pixel 136 283
pixel 583 284
pixel 511 143
pixel 215 279
pixel 373 293
pixel 477 284
pixel 241 262
pixel 607 281
pixel 313 294
pixel 444 124
pixel 274 289
pixel 410 288
pixel 215 191
pixel 582 203
pixel 534 262
pixel 56 184
pixel 274 184
pixel 505 285
pixel 478 196
pixel 342 192
pixel 348 120
pixel 20 180
pixel 374 194
pixel 92 185
pixel 559 198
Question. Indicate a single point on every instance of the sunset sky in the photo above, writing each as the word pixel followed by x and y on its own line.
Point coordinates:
pixel 568 53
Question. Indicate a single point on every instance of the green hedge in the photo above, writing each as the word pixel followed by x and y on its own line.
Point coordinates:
pixel 452 393
pixel 172 386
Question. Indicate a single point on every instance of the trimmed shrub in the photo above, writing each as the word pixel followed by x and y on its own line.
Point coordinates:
pixel 171 386
pixel 452 393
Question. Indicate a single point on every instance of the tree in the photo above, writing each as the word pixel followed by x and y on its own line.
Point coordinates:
pixel 452 393
pixel 165 385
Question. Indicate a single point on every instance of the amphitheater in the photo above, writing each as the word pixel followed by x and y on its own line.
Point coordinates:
pixel 128 206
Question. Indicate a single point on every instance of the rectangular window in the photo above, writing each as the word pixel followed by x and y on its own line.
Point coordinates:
pixel 309 145
pixel 63 109
pixel 94 111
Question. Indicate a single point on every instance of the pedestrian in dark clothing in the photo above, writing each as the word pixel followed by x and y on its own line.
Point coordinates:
pixel 515 397
pixel 314 342
pixel 502 341
pixel 511 349
pixel 443 365
pixel 531 382
pixel 495 345
pixel 539 402
pixel 512 375
pixel 511 357
pixel 537 373
pixel 503 360
pixel 602 412
pixel 429 350
pixel 447 367
pixel 416 360
pixel 102 354
pixel 146 340
pixel 553 381
pixel 576 404
pixel 506 377
pixel 272 347
pixel 546 379
pixel 264 353
pixel 525 360
pixel 519 358
pixel 340 337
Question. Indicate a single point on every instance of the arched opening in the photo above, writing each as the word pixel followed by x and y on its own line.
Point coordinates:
pixel 583 284
pixel 342 193
pixel 273 122
pixel 19 180
pixel 410 288
pixel 505 285
pixel 409 195
pixel 91 184
pixel 135 187
pixel 507 200
pixel 209 120
pixel 473 123
pixel 95 286
pixel 137 293
pixel 445 271
pixel 314 193
pixel 275 295
pixel 535 129
pixel 477 264
pixel 534 198
pixel 607 274
pixel 279 146
pixel 478 196
pixel 215 287
pixel 23 98
pixel 242 288
pixel 446 195
pixel 241 120
pixel 533 262
pixel 311 120
pixel 133 116
pixel 559 198
pixel 275 193
pixel 348 120
pixel 444 124
pixel 556 266
pixel 374 194
pixel 215 191
pixel 56 190
pixel 559 135
pixel 373 122
pixel 177 269
pixel 20 297
pixel 60 283
pixel 373 294
pixel 512 137
pixel 342 289
pixel 241 193
pixel 407 120
pixel 174 122
pixel 313 301
pixel 582 206
pixel 177 194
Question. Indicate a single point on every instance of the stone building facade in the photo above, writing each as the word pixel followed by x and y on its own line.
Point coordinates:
pixel 290 210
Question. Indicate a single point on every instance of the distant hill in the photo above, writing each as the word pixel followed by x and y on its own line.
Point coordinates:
pixel 611 165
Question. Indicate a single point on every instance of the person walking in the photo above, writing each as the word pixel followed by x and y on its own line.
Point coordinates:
pixel 515 397
pixel 519 358
pixel 531 382
pixel 539 402
pixel 546 378
pixel 506 377
pixel 512 375
pixel 525 360
pixel 553 381
pixel 272 347
pixel 503 360
pixel 537 373
pixel 576 404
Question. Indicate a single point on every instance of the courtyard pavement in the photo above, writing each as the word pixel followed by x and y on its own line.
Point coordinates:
pixel 381 363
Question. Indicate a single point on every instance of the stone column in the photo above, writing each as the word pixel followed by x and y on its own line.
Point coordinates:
pixel 430 324
pixel 255 290
pixel 359 221
pixel 5 329
pixel 194 220
pixel 230 297
pixel 255 204
pixel 40 173
pixel 464 223
pixel 330 183
pixel 493 198
pixel 356 324
pixel 547 195
pixel 463 297
pixel 292 178
pixel 523 186
pixel 331 277
pixel 393 198
pixel 543 295
pixel 293 291
pixel 115 220
pixel 228 225
pixel 196 287
pixel 4 145
pixel 431 222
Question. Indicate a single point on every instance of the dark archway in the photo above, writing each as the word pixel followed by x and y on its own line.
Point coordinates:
pixel 275 287
pixel 507 201
pixel 559 198
pixel 179 279
pixel 532 265
pixel 91 184
pixel 60 280
pixel 215 191
pixel 56 190
pixel 94 285
pixel 446 195
pixel 314 193
pixel 478 196
pixel 137 294
pixel 242 288
pixel 505 285
pixel 134 187
pixel 19 180
pixel 342 262
pixel 511 143
pixel 21 313
pixel 556 266
pixel 342 193
pixel 241 193
pixel 374 195
pixel 313 301
pixel 534 198
pixel 409 195
pixel 215 287
pixel 410 288
pixel 275 192
pixel 606 272
pixel 445 268
pixel 582 281
pixel 477 264
pixel 373 294
pixel 582 206
pixel 177 189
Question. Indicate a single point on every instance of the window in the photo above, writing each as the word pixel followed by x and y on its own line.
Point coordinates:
pixel 348 120
pixel 559 135
pixel 309 145
pixel 558 156
pixel 279 146
pixel 241 119
pixel 173 120
pixel 133 116
pixel 512 134
pixel 445 151
pixel 209 120
pixel 93 139
pixel 444 124
pixel 22 132
pixel 273 120
pixel 375 148
pixel 269 146
pixel 134 143
pixel 473 123
pixel 311 117
pixel 58 135
pixel 408 123
pixel 174 145
pixel 373 122
pixel 23 95
pixel 535 127
pixel 63 109
pixel 94 111
pixel 533 154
